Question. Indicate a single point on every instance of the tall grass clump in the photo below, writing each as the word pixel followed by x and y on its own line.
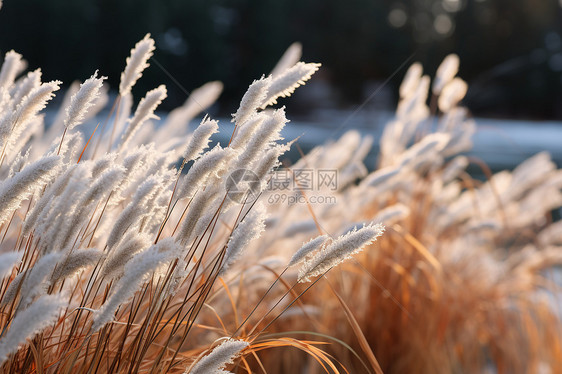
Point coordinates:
pixel 465 277
pixel 113 259
pixel 127 250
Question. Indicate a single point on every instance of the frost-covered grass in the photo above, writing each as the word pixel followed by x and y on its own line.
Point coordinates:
pixel 113 260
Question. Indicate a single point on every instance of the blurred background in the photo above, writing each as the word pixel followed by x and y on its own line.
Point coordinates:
pixel 510 50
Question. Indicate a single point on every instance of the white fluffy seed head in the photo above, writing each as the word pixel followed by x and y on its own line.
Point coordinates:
pixel 452 94
pixel 392 214
pixel 267 133
pixel 31 81
pixel 252 100
pixel 200 139
pixel 83 100
pixel 27 323
pixel 211 163
pixel 75 262
pixel 131 244
pixel 411 80
pixel 36 280
pixel 341 249
pixel 35 101
pixel 445 73
pixel 454 168
pixel 136 63
pixel 222 355
pixel 308 248
pixel 250 228
pixel 144 112
pixel 7 262
pixel 244 133
pixel 13 191
pixel 197 208
pixel 136 272
pixel 380 176
pixel 12 66
pixel 291 56
pixel 135 211
pixel 284 84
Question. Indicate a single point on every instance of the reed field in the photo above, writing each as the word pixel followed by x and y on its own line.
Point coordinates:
pixel 130 245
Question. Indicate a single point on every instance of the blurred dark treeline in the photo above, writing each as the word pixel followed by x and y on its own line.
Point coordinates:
pixel 510 50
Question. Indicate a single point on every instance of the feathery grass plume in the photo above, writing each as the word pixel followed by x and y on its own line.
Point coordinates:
pixel 55 189
pixel 134 212
pixel 102 164
pixel 13 125
pixel 36 280
pixel 83 100
pixel 221 356
pixel 24 183
pixel 247 230
pixel 34 286
pixel 211 163
pixel 144 112
pixel 71 147
pixel 452 94
pixel 380 176
pixel 200 204
pixel 29 322
pixel 445 73
pixel 136 272
pixel 18 163
pixel 200 139
pixel 413 108
pixel 31 81
pixel 266 164
pixel 308 248
pixel 11 67
pixel 340 250
pixel 75 262
pixel 267 133
pixel 300 227
pixel 245 133
pixel 132 243
pixel 35 101
pixel 136 63
pixel 291 56
pixel 7 261
pixel 454 168
pixel 13 289
pixel 411 80
pixel 392 214
pixel 284 84
pixel 425 148
pixel 529 174
pixel 5 100
pixel 100 189
pixel 252 100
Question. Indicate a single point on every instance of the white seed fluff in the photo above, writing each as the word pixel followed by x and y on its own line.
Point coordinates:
pixel 222 355
pixel 136 63
pixel 285 83
pixel 27 323
pixel 24 183
pixel 252 100
pixel 307 249
pixel 144 112
pixel 200 139
pixel 341 249
pixel 83 100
